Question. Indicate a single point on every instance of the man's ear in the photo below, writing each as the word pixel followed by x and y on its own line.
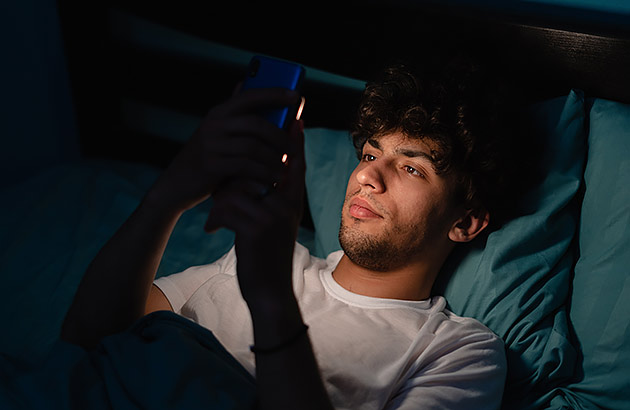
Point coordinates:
pixel 466 228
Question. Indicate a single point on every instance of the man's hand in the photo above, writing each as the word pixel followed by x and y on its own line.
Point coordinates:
pixel 265 214
pixel 232 143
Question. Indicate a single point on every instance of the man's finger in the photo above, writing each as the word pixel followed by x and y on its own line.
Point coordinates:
pixel 294 183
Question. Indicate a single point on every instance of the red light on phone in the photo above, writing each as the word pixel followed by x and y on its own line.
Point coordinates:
pixel 299 110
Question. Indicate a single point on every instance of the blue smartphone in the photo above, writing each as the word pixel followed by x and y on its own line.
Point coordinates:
pixel 263 72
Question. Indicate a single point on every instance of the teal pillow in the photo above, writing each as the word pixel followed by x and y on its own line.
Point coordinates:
pixel 601 288
pixel 516 279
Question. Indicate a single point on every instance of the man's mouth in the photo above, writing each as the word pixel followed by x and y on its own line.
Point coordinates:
pixel 361 209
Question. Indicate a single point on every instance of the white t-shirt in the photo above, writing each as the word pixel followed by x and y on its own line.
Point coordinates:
pixel 373 353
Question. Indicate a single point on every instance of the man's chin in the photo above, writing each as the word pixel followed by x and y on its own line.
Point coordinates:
pixel 367 250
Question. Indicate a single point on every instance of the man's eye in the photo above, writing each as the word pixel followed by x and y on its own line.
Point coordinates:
pixel 368 157
pixel 413 171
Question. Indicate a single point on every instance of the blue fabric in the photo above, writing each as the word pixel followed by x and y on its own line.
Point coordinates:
pixel 53 224
pixel 601 288
pixel 164 361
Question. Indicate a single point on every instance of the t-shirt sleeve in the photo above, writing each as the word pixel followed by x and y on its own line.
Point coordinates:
pixel 467 373
pixel 179 287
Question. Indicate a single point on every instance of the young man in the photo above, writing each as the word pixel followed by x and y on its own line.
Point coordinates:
pixel 359 329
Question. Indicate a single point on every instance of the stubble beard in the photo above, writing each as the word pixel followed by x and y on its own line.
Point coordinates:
pixel 378 253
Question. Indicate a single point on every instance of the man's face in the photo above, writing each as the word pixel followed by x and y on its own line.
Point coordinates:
pixel 397 209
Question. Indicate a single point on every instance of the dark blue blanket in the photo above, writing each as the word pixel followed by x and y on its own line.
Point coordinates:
pixel 164 361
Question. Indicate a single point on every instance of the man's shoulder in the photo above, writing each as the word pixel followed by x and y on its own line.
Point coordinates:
pixel 466 341
pixel 454 325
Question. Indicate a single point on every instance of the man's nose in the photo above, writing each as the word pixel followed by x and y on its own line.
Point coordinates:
pixel 372 177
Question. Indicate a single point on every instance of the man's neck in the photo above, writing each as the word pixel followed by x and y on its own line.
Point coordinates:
pixel 410 282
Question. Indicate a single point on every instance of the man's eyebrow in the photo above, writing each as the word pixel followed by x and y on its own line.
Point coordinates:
pixel 413 153
pixel 408 152
pixel 374 142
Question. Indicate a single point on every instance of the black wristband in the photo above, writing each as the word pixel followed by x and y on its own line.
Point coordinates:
pixel 282 344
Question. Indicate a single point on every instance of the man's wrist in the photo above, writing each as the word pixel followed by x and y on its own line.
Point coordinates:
pixel 275 320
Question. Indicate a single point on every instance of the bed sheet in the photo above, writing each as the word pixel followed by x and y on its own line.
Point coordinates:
pixel 164 361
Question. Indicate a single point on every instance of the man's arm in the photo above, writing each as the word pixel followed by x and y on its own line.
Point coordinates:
pixel 115 288
pixel 230 144
pixel 235 157
pixel 157 301
pixel 287 372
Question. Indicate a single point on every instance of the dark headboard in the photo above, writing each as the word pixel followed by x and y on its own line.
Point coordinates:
pixel 144 72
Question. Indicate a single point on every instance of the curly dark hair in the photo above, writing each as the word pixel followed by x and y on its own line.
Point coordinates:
pixel 467 112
